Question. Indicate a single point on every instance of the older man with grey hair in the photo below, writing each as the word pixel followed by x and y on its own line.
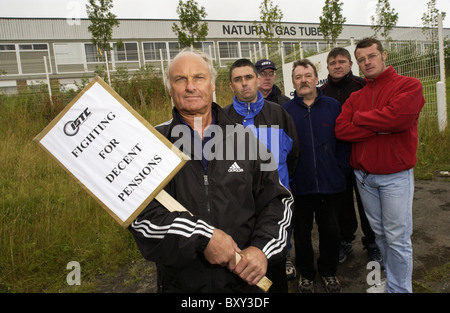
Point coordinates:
pixel 236 207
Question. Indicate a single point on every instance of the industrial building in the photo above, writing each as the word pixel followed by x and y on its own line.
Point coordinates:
pixel 27 44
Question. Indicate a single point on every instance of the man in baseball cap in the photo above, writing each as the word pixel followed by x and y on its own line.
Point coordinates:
pixel 266 82
pixel 270 92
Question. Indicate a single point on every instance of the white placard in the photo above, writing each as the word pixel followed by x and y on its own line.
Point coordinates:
pixel 116 155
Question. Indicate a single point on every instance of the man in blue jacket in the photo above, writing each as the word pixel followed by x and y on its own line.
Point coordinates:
pixel 274 127
pixel 318 179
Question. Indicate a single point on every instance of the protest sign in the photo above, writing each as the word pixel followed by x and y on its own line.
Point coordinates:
pixel 115 154
pixel 112 151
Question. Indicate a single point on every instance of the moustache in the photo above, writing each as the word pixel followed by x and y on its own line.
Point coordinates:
pixel 304 85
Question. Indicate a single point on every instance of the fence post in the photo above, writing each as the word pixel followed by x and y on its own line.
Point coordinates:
pixel 107 66
pixel 440 86
pixel 48 80
pixel 218 55
pixel 162 66
pixel 441 106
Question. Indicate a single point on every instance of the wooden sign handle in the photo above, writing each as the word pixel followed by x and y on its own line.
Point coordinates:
pixel 264 284
pixel 170 203
pixel 173 205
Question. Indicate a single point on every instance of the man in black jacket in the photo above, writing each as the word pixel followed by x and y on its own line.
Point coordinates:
pixel 341 83
pixel 266 82
pixel 237 203
pixel 276 129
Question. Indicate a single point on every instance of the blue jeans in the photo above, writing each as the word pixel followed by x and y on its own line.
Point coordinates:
pixel 387 201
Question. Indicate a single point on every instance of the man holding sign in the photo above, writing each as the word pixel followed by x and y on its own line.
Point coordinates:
pixel 237 202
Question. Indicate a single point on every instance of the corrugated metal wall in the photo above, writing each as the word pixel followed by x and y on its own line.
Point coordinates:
pixel 62 29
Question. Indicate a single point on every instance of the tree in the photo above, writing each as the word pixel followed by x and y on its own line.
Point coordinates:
pixel 271 17
pixel 430 20
pixel 332 21
pixel 192 30
pixel 384 19
pixel 101 27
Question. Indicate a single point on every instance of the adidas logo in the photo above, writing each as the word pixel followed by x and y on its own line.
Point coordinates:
pixel 235 168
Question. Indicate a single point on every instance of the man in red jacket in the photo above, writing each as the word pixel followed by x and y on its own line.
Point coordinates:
pixel 381 122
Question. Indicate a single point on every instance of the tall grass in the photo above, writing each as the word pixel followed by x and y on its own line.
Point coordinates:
pixel 48 220
pixel 433 150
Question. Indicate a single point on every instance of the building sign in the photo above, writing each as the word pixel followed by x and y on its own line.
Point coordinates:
pixel 114 153
pixel 259 30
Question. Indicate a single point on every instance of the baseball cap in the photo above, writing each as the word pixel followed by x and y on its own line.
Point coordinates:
pixel 263 64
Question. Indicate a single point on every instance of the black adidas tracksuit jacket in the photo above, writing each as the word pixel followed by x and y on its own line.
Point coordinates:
pixel 231 194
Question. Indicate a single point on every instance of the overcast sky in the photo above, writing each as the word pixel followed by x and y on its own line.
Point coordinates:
pixel 303 11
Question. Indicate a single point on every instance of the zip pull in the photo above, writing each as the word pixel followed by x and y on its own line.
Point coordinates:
pixel 309 112
pixel 206 184
pixel 248 108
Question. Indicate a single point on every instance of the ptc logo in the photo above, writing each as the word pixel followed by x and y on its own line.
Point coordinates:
pixel 71 128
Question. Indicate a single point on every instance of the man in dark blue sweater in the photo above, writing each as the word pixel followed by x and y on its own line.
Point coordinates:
pixel 318 179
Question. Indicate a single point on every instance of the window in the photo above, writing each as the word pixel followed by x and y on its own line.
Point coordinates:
pixel 128 52
pixel 68 53
pixel 25 47
pixel 323 46
pixel 174 48
pixel 427 47
pixel 290 47
pixel 8 60
pixel 35 47
pixel 249 48
pixel 92 53
pixel 404 46
pixel 206 46
pixel 228 50
pixel 31 58
pixel 40 47
pixel 7 47
pixel 151 51
pixel 309 46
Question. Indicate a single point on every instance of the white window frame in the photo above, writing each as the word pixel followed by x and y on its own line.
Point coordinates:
pixel 19 61
pixel 238 50
pixel 115 50
pixel 19 68
pixel 165 52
